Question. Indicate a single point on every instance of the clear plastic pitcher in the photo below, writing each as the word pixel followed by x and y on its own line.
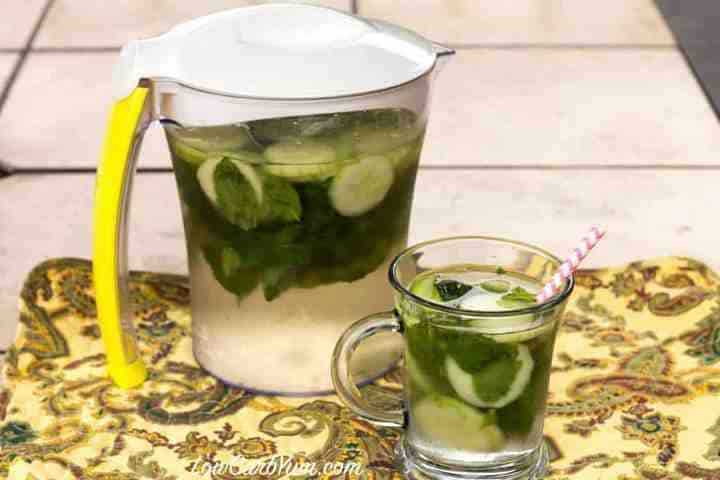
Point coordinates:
pixel 295 134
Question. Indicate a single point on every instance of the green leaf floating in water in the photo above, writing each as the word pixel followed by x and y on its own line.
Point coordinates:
pixel 494 381
pixel 231 270
pixel 475 352
pixel 517 298
pixel 230 261
pixel 281 202
pixel 451 289
pixel 237 200
pixel 277 280
pixel 496 286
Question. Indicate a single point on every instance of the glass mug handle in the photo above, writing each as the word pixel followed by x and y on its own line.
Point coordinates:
pixel 342 378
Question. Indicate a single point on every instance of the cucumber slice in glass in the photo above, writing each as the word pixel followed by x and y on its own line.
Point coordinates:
pixel 416 374
pixel 188 154
pixel 244 156
pixel 471 386
pixel 288 128
pixel 376 139
pixel 301 160
pixel 496 286
pixel 214 139
pixel 424 287
pixel 405 156
pixel 456 424
pixel 361 186
pixel 206 172
pixel 524 336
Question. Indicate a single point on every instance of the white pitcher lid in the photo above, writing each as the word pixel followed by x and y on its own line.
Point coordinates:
pixel 278 50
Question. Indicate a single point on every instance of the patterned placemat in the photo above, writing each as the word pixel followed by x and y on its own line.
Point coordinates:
pixel 635 390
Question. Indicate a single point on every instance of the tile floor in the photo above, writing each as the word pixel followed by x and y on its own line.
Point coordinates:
pixel 552 116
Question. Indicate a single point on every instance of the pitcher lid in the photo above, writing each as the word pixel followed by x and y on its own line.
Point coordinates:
pixel 279 50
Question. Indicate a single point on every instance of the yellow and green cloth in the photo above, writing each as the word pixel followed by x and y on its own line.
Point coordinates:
pixel 635 389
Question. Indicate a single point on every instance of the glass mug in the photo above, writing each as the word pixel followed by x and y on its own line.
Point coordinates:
pixel 476 381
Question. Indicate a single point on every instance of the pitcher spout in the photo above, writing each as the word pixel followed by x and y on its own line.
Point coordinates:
pixel 443 54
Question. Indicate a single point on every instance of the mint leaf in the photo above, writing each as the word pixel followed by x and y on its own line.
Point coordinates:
pixel 474 352
pixel 230 261
pixel 517 298
pixel 277 280
pixel 280 200
pixel 230 270
pixel 236 198
pixel 451 289
pixel 494 381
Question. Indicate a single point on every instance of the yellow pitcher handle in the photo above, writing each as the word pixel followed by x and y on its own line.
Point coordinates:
pixel 114 178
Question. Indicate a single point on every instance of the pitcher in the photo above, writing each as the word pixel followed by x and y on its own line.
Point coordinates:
pixel 295 134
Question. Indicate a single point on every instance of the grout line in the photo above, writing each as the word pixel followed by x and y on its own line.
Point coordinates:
pixel 10 50
pixel 589 167
pixel 560 46
pixel 51 50
pixel 690 167
pixel 12 78
pixel 459 46
pixel 354 6
pixel 79 170
pixel 5 169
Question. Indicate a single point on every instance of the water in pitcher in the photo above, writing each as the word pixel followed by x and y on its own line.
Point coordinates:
pixel 290 226
pixel 477 386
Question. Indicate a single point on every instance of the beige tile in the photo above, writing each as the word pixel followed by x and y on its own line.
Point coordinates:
pixel 526 21
pixel 56 115
pixel 564 107
pixel 71 23
pixel 18 20
pixel 570 107
pixel 648 213
pixel 46 216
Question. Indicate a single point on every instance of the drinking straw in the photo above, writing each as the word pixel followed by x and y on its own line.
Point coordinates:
pixel 570 264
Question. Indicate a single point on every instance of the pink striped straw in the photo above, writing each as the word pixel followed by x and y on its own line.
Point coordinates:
pixel 570 265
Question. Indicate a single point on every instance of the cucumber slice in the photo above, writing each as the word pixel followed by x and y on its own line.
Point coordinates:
pixel 496 286
pixel 524 336
pixel 213 139
pixel 405 156
pixel 424 287
pixel 519 322
pixel 244 156
pixel 191 155
pixel 376 139
pixel 361 186
pixel 416 374
pixel 303 173
pixel 205 176
pixel 288 128
pixel 301 160
pixel 464 383
pixel 457 425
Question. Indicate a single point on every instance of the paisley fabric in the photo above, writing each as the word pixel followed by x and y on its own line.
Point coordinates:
pixel 635 390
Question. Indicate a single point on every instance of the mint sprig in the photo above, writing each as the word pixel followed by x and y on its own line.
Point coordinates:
pixel 237 200
pixel 451 289
pixel 517 298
